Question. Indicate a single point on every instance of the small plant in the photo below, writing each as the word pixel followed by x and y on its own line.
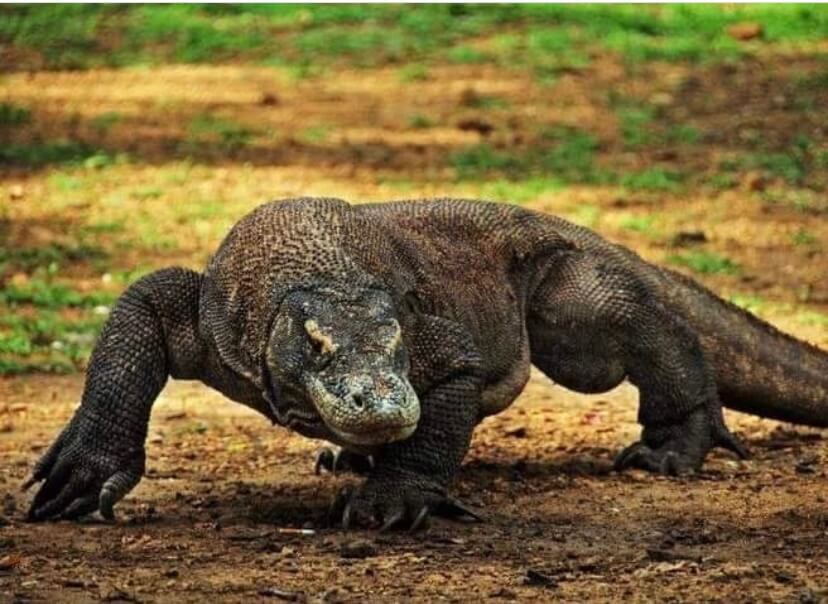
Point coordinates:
pixel 706 263
pixel 804 238
pixel 420 121
pixel 315 134
pixel 750 302
pixel 466 55
pixel 640 224
pixel 14 115
pixel 105 121
pixel 414 72
pixel 652 179
pixel 230 135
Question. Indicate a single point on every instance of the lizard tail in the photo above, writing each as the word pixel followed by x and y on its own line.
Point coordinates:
pixel 758 369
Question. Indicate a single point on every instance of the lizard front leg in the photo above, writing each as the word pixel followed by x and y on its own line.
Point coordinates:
pixel 99 456
pixel 411 478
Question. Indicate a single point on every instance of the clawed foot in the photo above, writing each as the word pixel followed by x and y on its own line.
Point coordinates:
pixel 681 448
pixel 80 478
pixel 341 460
pixel 396 504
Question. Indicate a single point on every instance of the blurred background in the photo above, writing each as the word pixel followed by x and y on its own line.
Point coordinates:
pixel 132 137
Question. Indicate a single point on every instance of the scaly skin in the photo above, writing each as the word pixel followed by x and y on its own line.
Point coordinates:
pixel 393 329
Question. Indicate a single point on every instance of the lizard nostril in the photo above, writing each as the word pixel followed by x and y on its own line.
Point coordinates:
pixel 359 403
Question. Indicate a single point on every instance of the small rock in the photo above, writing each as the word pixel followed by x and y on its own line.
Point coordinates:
pixel 361 548
pixel 270 99
pixel 16 191
pixel 747 30
pixel 503 593
pixel 686 238
pixel 754 181
pixel 475 124
pixel 282 594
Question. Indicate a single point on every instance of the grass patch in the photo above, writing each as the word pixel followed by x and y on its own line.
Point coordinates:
pixel 646 225
pixel 315 135
pixel 803 238
pixel 652 179
pixel 12 115
pixel 705 263
pixel 420 122
pixel 44 293
pixel 545 38
pixel 750 302
pixel 37 155
pixel 636 126
pixel 415 72
pixel 812 317
pixel 27 259
pixel 228 134
pixel 566 155
pixel 47 341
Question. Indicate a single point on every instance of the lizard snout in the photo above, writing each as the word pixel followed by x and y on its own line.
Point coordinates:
pixel 368 409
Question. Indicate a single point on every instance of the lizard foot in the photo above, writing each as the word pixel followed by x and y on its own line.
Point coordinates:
pixel 397 503
pixel 679 448
pixel 336 460
pixel 82 476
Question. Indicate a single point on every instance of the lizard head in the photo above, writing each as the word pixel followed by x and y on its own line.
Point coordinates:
pixel 336 360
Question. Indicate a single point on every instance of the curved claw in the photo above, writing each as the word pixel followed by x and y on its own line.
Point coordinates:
pixel 346 516
pixel 627 457
pixel 726 439
pixel 326 458
pixel 420 521
pixel 454 508
pixel 392 521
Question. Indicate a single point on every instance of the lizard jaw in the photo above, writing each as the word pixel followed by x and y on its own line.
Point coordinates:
pixel 376 420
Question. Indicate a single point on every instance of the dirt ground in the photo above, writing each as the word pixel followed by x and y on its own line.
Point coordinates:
pixel 209 519
pixel 217 515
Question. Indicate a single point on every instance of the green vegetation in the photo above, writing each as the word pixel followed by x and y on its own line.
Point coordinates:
pixel 208 128
pixel 37 155
pixel 547 38
pixel 705 263
pixel 12 115
pixel 565 154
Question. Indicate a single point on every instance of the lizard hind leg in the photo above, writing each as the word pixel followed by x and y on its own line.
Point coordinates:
pixel 594 321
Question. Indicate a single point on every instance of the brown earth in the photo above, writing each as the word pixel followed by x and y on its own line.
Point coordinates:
pixel 215 517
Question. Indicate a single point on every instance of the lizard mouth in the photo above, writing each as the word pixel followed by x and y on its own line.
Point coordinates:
pixel 366 414
pixel 376 437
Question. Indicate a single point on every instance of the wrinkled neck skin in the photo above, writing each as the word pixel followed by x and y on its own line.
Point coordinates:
pixel 337 368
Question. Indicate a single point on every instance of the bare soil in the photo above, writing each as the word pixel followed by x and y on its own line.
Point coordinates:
pixel 216 517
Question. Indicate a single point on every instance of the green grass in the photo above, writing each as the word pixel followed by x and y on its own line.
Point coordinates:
pixel 750 302
pixel 27 259
pixel 652 179
pixel 646 225
pixel 804 238
pixel 566 156
pixel 636 126
pixel 229 135
pixel 43 293
pixel 315 135
pixel 35 155
pixel 12 116
pixel 705 263
pixel 47 341
pixel 419 121
pixel 546 38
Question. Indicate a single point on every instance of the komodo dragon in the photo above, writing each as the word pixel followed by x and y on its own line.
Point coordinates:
pixel 392 329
